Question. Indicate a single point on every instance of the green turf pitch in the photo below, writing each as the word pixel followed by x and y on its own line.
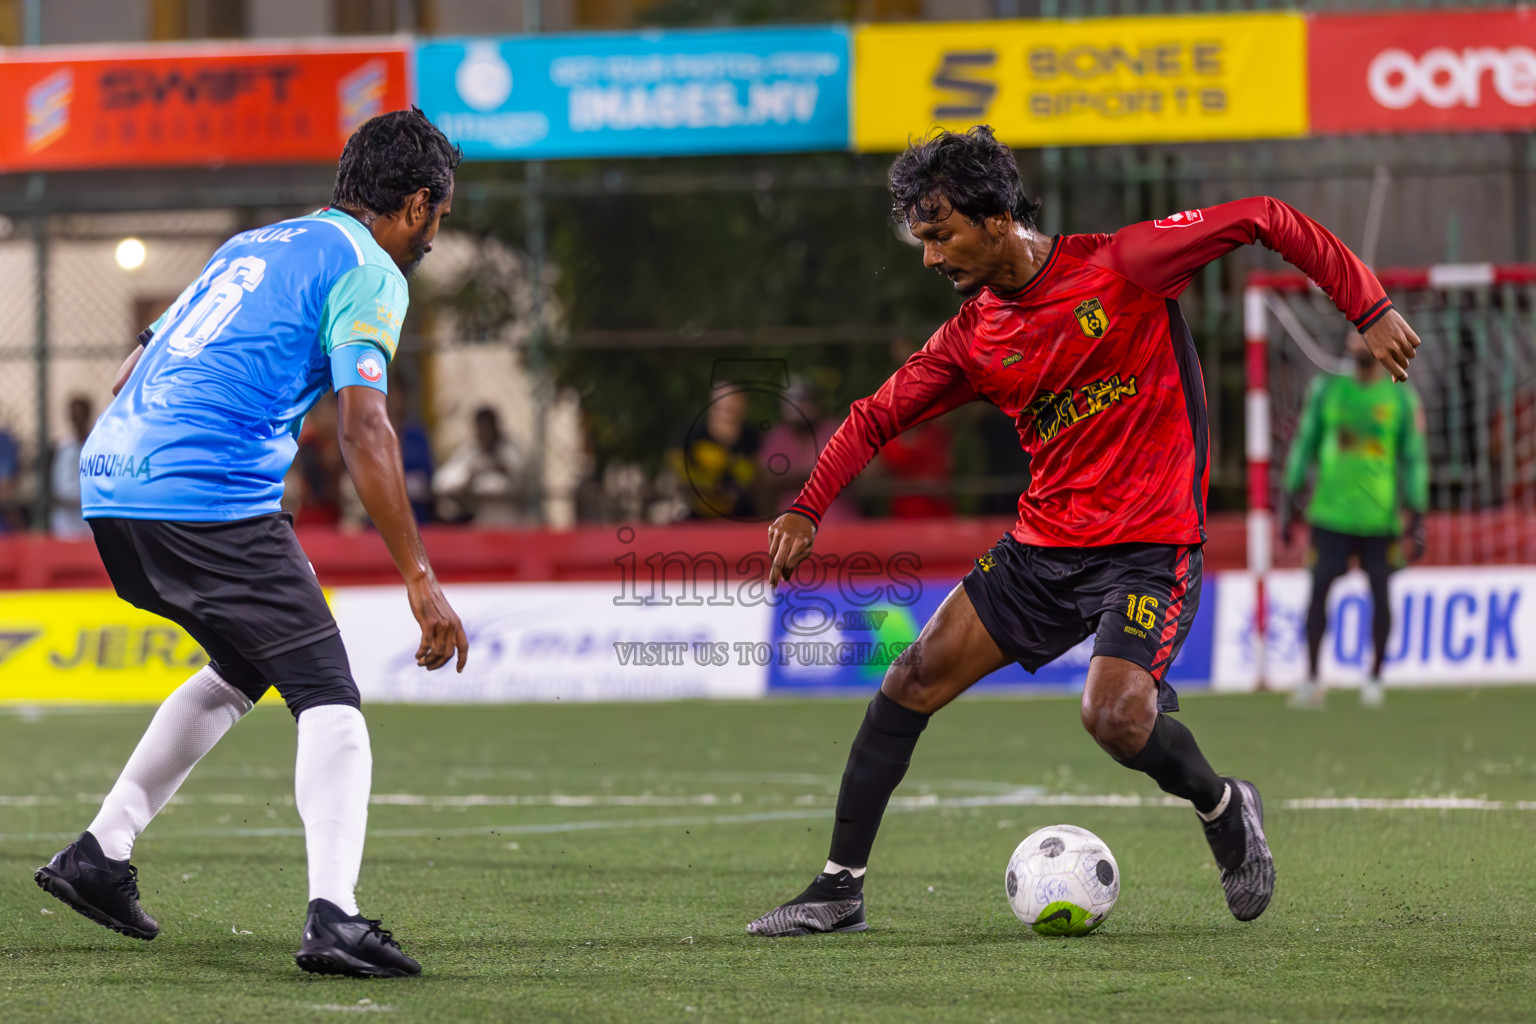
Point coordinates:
pixel 585 863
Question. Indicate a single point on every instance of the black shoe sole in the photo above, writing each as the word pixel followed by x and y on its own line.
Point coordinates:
pixel 862 926
pixel 335 962
pixel 59 889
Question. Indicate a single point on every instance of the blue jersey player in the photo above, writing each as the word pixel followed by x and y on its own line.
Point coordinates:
pixel 181 479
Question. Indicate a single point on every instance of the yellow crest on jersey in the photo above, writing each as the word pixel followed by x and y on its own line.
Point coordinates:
pixel 1092 318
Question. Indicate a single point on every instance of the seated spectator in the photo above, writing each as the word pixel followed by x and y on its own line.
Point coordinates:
pixel 64 518
pixel 320 467
pixel 415 451
pixel 790 450
pixel 717 464
pixel 11 517
pixel 485 480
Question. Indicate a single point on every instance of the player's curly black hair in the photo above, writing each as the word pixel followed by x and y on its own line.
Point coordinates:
pixel 391 157
pixel 967 171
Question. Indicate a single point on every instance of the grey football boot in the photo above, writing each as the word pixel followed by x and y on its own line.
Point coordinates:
pixel 1241 851
pixel 832 903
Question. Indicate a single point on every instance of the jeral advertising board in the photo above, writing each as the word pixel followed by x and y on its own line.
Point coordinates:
pixel 1104 80
pixel 651 94
pixel 177 105
pixel 1440 71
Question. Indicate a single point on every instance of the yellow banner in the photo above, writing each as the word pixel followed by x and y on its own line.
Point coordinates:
pixel 88 645
pixel 1109 80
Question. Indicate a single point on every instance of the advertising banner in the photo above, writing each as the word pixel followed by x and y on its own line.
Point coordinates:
pixel 1083 82
pixel 88 645
pixel 670 93
pixel 175 105
pixel 844 637
pixel 556 641
pixel 1431 71
pixel 1450 626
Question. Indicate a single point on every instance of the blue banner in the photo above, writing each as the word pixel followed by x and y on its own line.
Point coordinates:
pixel 651 94
pixel 842 638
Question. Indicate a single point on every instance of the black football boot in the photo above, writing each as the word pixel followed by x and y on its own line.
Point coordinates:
pixel 1241 851
pixel 106 891
pixel 354 946
pixel 832 903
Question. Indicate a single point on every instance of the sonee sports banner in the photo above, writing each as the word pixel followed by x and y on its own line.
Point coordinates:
pixel 1091 82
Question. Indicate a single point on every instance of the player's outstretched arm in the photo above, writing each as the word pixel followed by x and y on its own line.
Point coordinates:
pixel 1392 342
pixel 372 454
pixel 789 541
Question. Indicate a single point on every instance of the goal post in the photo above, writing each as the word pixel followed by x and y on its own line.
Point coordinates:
pixel 1475 373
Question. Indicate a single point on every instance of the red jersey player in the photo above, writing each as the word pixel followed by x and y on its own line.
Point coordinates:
pixel 1080 339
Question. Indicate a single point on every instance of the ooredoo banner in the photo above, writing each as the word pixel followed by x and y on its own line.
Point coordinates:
pixel 1104 80
pixel 1453 71
pixel 178 105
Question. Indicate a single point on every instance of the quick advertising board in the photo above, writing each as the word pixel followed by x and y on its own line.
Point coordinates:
pixel 169 105
pixel 1105 80
pixel 649 94
pixel 1450 626
pixel 1432 71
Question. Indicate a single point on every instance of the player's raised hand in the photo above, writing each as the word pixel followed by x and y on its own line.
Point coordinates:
pixel 441 631
pixel 789 541
pixel 1392 342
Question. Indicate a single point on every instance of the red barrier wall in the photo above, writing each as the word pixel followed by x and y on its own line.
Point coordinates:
pixel 944 547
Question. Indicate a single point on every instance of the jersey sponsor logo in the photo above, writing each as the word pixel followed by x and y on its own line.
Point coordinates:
pixel 1180 220
pixel 115 465
pixel 1092 318
pixel 1009 360
pixel 986 562
pixel 363 329
pixel 369 368
pixel 387 316
pixel 1054 410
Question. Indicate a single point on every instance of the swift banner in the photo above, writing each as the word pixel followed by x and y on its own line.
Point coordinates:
pixel 168 105
pixel 1083 82
pixel 1464 71
pixel 672 93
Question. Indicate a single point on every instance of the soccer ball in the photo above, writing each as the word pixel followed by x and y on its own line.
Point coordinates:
pixel 1062 880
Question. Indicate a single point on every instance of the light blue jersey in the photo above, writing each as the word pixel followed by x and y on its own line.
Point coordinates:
pixel 207 424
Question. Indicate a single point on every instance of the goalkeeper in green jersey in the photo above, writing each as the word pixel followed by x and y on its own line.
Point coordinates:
pixel 1366 436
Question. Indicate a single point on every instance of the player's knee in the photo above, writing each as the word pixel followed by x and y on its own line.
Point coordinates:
pixel 300 698
pixel 911 685
pixel 1120 727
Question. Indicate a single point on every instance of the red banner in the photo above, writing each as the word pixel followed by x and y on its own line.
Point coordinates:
pixel 1467 71
pixel 191 105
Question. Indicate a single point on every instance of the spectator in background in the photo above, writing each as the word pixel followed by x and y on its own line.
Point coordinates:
pixel 484 481
pixel 789 452
pixel 64 519
pixel 921 457
pixel 415 451
pixel 320 467
pixel 717 465
pixel 10 474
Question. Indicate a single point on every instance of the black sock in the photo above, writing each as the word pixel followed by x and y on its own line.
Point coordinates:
pixel 877 761
pixel 1381 622
pixel 1173 759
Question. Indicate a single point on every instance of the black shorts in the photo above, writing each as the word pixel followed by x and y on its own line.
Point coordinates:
pixel 1329 553
pixel 1140 599
pixel 243 590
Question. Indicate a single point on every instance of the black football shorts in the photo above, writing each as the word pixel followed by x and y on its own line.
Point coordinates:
pixel 1139 601
pixel 242 589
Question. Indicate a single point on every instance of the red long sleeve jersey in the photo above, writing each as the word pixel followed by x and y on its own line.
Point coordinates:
pixel 1093 360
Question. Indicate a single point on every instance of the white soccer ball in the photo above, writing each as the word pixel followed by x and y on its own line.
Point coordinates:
pixel 1062 880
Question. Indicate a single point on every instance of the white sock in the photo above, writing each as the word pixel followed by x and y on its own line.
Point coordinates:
pixel 833 867
pixel 1221 807
pixel 188 724
pixel 331 782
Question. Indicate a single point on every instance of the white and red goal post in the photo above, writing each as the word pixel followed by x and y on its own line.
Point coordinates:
pixel 1476 377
